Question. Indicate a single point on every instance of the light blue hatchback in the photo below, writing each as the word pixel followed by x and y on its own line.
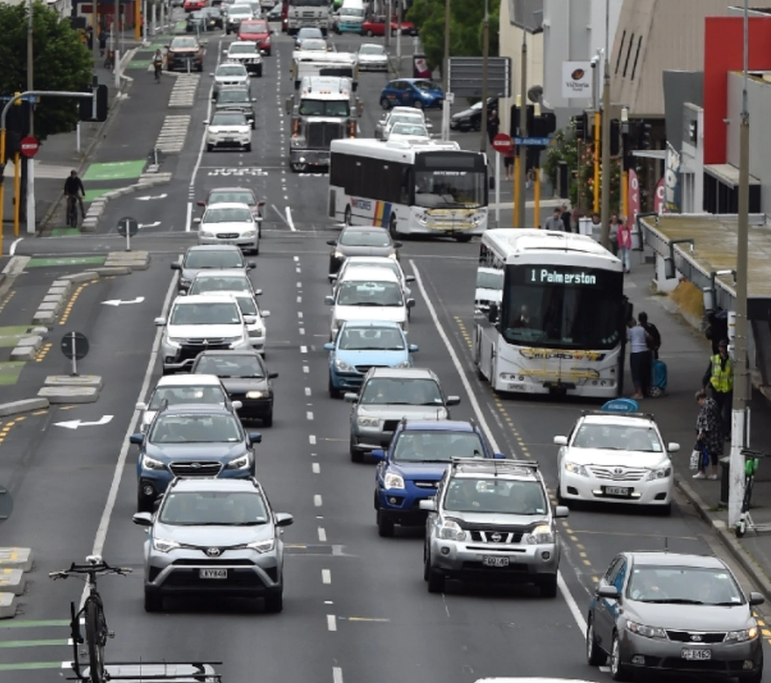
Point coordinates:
pixel 360 346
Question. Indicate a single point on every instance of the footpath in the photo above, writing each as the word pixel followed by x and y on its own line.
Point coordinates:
pixel 686 352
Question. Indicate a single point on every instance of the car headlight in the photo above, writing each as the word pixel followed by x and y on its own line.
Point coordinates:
pixel 342 366
pixel 393 255
pixel 149 463
pixel 206 233
pixel 368 421
pixel 242 462
pixel 235 341
pixel 255 394
pixel 541 534
pixel 174 341
pixel 339 255
pixel 646 631
pixel 575 468
pixel 659 473
pixel 451 531
pixel 262 546
pixel 257 332
pixel 250 233
pixel 164 545
pixel 403 364
pixel 743 635
pixel 393 480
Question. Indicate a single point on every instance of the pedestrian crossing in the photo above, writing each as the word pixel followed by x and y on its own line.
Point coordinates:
pixel 27 645
pixel 171 139
pixel 183 92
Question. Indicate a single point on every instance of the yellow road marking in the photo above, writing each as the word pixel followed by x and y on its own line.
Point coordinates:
pixel 71 303
pixel 42 352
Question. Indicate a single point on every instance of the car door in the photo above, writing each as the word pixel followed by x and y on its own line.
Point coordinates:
pixel 606 609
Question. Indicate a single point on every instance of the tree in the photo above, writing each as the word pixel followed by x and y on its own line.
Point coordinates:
pixel 466 28
pixel 60 62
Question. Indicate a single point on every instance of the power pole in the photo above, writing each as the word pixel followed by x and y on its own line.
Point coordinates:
pixel 521 199
pixel 605 200
pixel 30 215
pixel 446 73
pixel 741 374
pixel 485 60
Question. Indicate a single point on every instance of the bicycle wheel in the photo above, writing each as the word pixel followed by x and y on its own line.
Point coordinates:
pixel 96 637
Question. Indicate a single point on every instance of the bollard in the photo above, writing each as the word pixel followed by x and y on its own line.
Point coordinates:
pixel 725 467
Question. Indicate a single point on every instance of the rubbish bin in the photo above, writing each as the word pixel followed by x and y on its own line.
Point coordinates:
pixel 725 467
pixel 420 67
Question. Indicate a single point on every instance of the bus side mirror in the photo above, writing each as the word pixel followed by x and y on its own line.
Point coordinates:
pixel 492 314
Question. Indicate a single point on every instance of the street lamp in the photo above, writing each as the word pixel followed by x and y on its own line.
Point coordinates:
pixel 446 74
pixel 605 205
pixel 485 61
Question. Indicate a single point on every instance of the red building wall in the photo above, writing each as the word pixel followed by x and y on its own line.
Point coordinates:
pixel 724 52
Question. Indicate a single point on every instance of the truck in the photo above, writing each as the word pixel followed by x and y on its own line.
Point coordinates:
pixel 301 13
pixel 323 109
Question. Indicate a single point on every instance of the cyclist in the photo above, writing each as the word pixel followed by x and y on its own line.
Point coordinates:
pixel 158 64
pixel 74 191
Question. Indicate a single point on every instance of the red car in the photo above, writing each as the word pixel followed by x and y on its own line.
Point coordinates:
pixel 194 5
pixel 376 26
pixel 258 31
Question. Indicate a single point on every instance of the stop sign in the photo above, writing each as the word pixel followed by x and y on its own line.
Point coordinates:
pixel 29 146
pixel 503 143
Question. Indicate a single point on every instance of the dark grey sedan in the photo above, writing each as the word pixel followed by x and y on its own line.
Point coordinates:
pixel 209 257
pixel 361 240
pixel 670 612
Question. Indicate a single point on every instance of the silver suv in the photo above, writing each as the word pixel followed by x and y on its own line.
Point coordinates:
pixel 214 537
pixel 491 521
pixel 389 395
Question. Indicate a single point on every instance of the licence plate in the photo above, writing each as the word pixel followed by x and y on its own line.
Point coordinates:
pixel 622 491
pixel 694 654
pixel 494 561
pixel 213 573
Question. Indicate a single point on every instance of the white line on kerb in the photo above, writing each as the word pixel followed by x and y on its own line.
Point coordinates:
pixel 188 216
pixel 299 314
pixel 309 415
pixel 317 500
pixel 326 576
pixel 322 535
pixel 331 622
pixel 312 439
pixel 337 674
pixel 566 594
pixel 315 468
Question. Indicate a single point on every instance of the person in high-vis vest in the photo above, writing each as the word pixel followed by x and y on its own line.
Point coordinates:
pixel 719 377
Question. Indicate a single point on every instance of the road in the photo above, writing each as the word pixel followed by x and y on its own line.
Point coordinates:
pixel 356 607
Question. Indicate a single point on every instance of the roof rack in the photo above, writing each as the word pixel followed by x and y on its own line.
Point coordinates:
pixel 605 413
pixel 498 466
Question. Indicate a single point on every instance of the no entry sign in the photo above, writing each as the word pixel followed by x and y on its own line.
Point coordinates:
pixel 503 143
pixel 29 146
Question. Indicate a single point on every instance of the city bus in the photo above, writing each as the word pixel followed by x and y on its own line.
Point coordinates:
pixel 409 186
pixel 560 324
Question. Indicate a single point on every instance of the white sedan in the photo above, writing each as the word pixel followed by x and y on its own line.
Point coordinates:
pixel 409 130
pixel 615 458
pixel 372 57
pixel 229 223
pixel 229 129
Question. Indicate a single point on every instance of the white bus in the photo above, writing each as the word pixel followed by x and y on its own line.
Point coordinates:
pixel 409 186
pixel 560 326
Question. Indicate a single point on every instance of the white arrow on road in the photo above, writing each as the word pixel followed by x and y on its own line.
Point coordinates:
pixel 148 198
pixel 149 225
pixel 74 424
pixel 119 302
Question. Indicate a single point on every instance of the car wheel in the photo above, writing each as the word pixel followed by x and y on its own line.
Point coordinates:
pixel 548 586
pixel 257 249
pixel 259 72
pixel 153 601
pixel 274 602
pixel 618 672
pixel 385 526
pixel 254 125
pixel 144 504
pixel 756 677
pixel 594 655
pixel 664 510
pixel 248 148
pixel 384 103
pixel 463 238
pixel 417 104
pixel 209 148
pixel 267 54
pixel 333 393
pixel 435 580
pixel 477 125
pixel 426 563
pixel 356 455
pixel 369 33
pixel 560 499
pixel 267 421
pixel 392 228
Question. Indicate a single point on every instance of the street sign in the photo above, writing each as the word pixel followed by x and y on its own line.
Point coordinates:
pixel 503 143
pixel 75 347
pixel 29 146
pixel 465 76
pixel 128 226
pixel 533 142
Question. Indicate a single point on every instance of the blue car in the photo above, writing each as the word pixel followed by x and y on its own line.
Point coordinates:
pixel 362 345
pixel 412 467
pixel 191 441
pixel 411 92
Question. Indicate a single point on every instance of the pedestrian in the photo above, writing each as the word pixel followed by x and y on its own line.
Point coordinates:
pixel 554 222
pixel 565 216
pixel 709 436
pixel 102 42
pixel 493 125
pixel 639 358
pixel 529 178
pixel 596 226
pixel 613 227
pixel 653 332
pixel 508 163
pixel 90 37
pixel 719 376
pixel 623 241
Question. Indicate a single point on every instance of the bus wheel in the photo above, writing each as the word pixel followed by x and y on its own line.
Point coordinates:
pixel 392 228
pixel 462 238
pixel 347 215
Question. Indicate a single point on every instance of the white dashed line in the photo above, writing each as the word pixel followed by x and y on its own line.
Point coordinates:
pixel 326 576
pixel 315 468
pixel 299 299
pixel 331 622
pixel 299 285
pixel 337 674
pixel 306 369
pixel 317 500
pixel 322 535
pixel 299 314
pixel 302 330
pixel 295 258
pixel 307 391
pixel 303 349
pixel 309 415
pixel 312 439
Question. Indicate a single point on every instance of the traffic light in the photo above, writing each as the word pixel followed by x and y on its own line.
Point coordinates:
pixel 643 135
pixel 543 125
pixel 615 138
pixel 515 132
pixel 87 111
pixel 581 125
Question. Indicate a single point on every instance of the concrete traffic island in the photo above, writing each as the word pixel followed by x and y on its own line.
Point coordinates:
pixel 69 394
pixel 131 260
pixel 14 565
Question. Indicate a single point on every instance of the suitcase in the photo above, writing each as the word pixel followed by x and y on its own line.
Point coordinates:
pixel 658 378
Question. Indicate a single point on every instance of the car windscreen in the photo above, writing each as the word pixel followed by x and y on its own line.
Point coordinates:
pixel 231 70
pixel 220 283
pixel 229 120
pixel 230 366
pixel 365 238
pixel 369 49
pixel 213 508
pixel 183 43
pixel 435 446
pixel 313 44
pixel 304 33
pixel 212 313
pixel 234 97
pixel 230 215
pixel 254 27
pixel 242 49
pixel 333 108
pixel 495 495
pixel 683 585
pixel 361 293
pixel 214 259
pixel 410 392
pixel 186 394
pixel 409 129
pixel 424 85
pixel 371 339
pixel 196 429
pixel 618 437
pixel 231 196
pixel 241 10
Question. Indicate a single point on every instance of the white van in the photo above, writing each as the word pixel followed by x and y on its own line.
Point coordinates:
pixel 350 16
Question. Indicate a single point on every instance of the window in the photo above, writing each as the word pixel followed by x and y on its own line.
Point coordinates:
pixel 371 178
pixel 636 56
pixel 628 54
pixel 214 508
pixel 495 495
pixel 620 51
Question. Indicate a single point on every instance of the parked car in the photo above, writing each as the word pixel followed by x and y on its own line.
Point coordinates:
pixel 413 92
pixel 471 118
pixel 376 26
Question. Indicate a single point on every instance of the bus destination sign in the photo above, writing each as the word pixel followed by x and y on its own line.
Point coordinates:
pixel 560 276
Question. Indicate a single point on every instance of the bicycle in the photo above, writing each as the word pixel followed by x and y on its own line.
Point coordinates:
pixel 93 613
pixel 72 211
pixel 751 462
pixel 109 60
pixel 158 66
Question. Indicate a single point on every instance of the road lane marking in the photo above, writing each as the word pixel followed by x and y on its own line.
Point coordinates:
pixel 315 468
pixel 326 576
pixel 14 244
pixel 312 439
pixel 295 258
pixel 188 216
pixel 307 391
pixel 299 314
pixel 322 534
pixel 331 622
pixel 299 299
pixel 208 118
pixel 306 369
pixel 289 220
pixel 566 594
pixel 309 415
pixel 317 500
pixel 337 674
pixel 302 330
pixel 303 349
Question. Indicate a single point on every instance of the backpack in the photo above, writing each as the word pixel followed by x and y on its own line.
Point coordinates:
pixel 653 331
pixel 658 379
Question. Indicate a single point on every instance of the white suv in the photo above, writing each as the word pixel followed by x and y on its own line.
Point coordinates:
pixel 199 323
pixel 248 54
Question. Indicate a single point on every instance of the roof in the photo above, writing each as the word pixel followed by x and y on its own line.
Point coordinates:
pixel 214 484
pixel 214 247
pixel 229 352
pixel 440 426
pixel 197 409
pixel 224 272
pixel 365 228
pixel 207 298
pixel 369 274
pixel 658 557
pixel 514 242
pixel 512 469
pixel 402 373
pixel 371 45
pixel 232 189
pixel 616 419
pixel 372 323
pixel 188 380
pixel 229 205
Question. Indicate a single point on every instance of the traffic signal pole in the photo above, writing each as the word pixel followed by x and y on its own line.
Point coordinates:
pixel 520 198
pixel 29 161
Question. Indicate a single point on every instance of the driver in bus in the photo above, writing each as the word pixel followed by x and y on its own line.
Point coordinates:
pixel 524 319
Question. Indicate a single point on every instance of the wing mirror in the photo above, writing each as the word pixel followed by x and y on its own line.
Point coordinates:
pixel 329 346
pixel 252 265
pixel 332 243
pixel 499 456
pixel 398 245
pixel 756 599
pixel 265 314
pixel 272 375
pixel 250 319
pixel 255 437
pixel 197 221
pixel 561 511
pixel 201 203
pixel 413 348
pixel 175 266
pixel 673 447
pixel 409 279
pixel 329 300
pixel 141 406
pixel 378 455
pixel 237 405
pixel 160 322
pixel 136 439
pixel 284 519
pixel 452 400
pixel 610 592
pixel 350 397
pixel 410 303
pixel 560 441
pixel 142 518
